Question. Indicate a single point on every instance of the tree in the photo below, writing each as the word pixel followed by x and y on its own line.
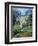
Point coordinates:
pixel 30 19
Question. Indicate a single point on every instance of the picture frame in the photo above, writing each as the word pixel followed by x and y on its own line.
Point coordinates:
pixel 20 22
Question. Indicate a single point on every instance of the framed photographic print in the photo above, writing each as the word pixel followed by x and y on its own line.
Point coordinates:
pixel 20 22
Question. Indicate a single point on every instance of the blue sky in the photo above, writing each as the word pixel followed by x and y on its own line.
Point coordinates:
pixel 23 10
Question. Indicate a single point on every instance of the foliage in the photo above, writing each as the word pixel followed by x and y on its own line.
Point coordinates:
pixel 26 25
pixel 16 29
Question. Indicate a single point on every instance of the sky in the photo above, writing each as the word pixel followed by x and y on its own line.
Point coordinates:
pixel 23 10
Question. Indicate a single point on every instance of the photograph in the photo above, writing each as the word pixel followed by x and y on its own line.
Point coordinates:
pixel 20 22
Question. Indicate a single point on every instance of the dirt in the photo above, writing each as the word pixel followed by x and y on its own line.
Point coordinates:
pixel 24 34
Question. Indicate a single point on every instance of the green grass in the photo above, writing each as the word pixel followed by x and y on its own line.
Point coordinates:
pixel 27 32
pixel 27 29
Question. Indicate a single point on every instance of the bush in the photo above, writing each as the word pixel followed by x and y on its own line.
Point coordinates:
pixel 16 29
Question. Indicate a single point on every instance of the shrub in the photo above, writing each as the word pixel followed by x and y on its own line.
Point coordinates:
pixel 16 29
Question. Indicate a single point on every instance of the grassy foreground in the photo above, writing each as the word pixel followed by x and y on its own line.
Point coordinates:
pixel 27 32
pixel 24 34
